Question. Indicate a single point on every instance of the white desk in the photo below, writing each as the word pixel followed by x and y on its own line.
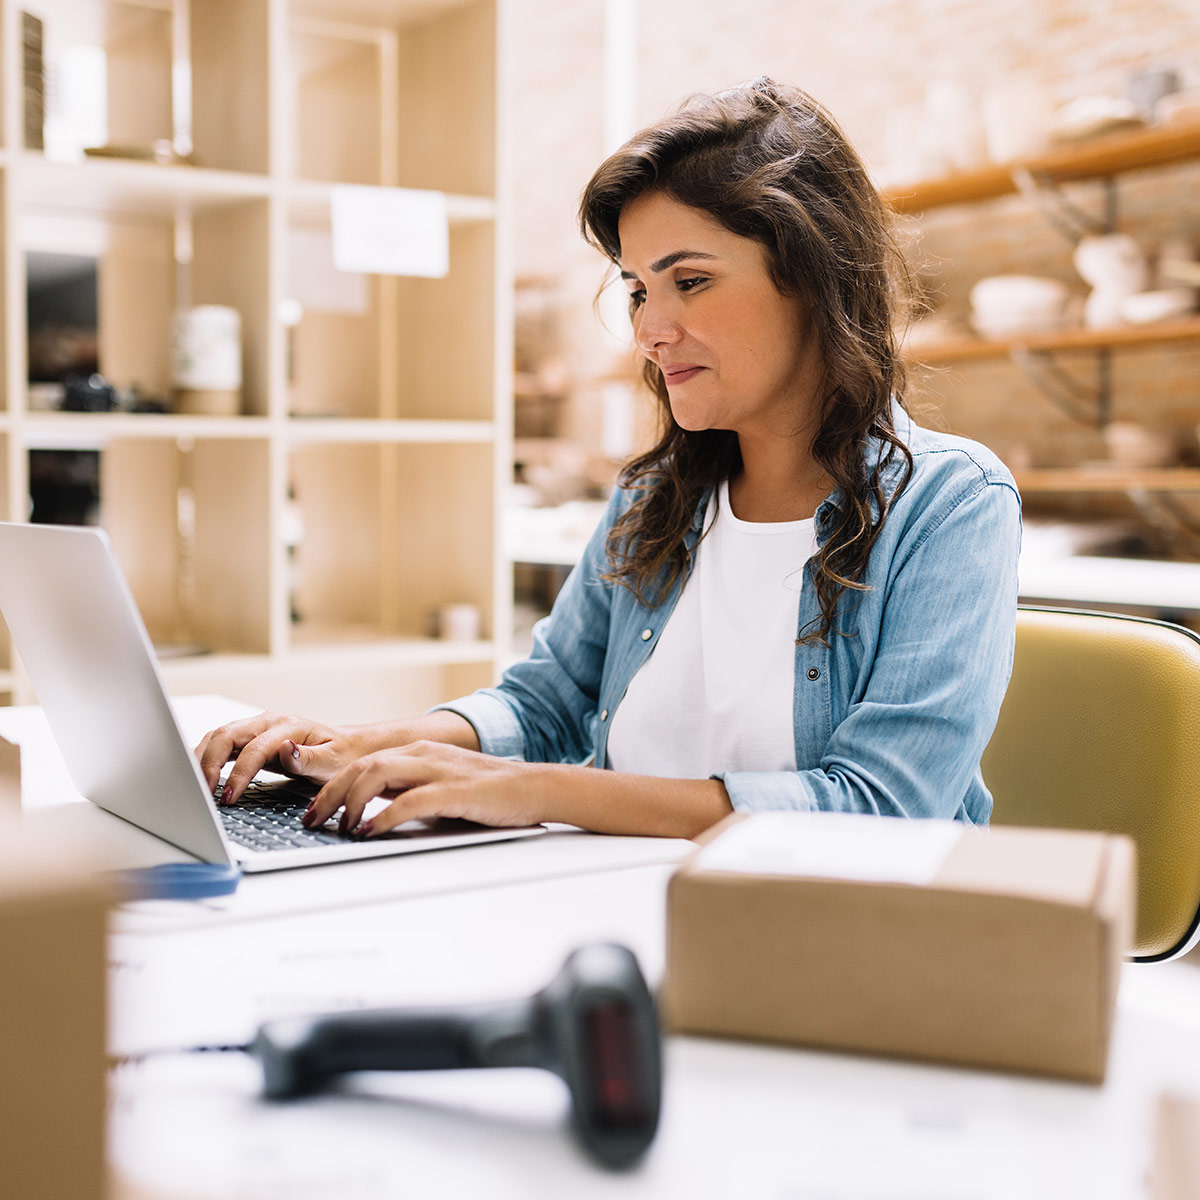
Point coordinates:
pixel 739 1120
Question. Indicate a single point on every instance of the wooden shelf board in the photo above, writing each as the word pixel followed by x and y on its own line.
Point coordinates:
pixel 308 203
pixel 1108 479
pixel 321 430
pixel 371 644
pixel 378 14
pixel 1127 337
pixel 1092 159
pixel 119 187
pixel 87 431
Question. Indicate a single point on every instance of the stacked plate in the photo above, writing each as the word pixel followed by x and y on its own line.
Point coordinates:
pixel 1004 306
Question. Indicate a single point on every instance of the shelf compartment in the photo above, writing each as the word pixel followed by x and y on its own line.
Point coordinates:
pixel 341 102
pixel 1130 337
pixel 230 44
pixel 451 147
pixel 387 535
pixel 141 281
pixel 1059 480
pixel 1093 159
pixel 199 89
pixel 390 347
pixel 445 360
pixel 382 70
pixel 191 531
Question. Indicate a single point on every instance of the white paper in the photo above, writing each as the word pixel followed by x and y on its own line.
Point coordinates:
pixel 390 231
pixel 315 283
pixel 834 846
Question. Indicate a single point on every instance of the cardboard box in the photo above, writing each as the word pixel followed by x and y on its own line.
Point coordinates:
pixel 1176 1171
pixel 10 778
pixel 921 939
pixel 53 909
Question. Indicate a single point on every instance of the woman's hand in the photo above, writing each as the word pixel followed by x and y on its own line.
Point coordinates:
pixel 430 779
pixel 289 745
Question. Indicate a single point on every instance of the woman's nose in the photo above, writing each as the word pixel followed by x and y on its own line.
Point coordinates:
pixel 653 328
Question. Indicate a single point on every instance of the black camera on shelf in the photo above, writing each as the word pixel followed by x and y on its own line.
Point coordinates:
pixel 88 393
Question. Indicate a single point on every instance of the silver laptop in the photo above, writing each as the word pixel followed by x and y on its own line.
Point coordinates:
pixel 78 631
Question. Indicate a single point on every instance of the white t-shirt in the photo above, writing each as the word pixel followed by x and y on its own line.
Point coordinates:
pixel 716 692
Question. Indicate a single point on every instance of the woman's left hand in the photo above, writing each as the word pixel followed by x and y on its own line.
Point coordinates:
pixel 425 780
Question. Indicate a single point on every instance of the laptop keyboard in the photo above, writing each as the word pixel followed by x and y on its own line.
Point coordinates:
pixel 267 817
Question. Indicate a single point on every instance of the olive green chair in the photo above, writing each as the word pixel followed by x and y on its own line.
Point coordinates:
pixel 1100 729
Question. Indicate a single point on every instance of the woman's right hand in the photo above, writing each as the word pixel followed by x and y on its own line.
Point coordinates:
pixel 288 745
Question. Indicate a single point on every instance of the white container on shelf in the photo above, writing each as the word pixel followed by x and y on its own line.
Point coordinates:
pixel 1010 305
pixel 459 622
pixel 206 360
pixel 1017 116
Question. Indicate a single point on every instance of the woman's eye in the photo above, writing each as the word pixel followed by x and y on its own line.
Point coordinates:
pixel 686 285
pixel 637 297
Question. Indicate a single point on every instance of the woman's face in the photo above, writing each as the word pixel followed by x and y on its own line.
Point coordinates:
pixel 735 353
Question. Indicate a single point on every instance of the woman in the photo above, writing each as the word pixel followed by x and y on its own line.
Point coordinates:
pixel 797 599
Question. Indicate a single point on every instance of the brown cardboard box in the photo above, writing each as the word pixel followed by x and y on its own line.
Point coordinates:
pixel 1003 950
pixel 10 778
pixel 52 1014
pixel 1176 1171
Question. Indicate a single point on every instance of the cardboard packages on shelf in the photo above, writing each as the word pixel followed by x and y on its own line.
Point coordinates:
pixel 921 939
pixel 52 1009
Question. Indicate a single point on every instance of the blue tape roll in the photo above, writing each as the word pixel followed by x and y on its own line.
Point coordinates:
pixel 180 881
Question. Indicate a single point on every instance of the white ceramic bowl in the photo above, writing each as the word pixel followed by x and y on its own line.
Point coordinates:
pixel 1167 304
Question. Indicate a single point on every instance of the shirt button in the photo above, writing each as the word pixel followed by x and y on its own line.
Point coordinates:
pixel 814 673
pixel 647 634
pixel 604 715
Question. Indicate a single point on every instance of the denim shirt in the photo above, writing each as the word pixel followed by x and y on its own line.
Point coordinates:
pixel 891 717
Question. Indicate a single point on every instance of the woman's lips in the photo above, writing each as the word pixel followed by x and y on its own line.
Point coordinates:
pixel 677 375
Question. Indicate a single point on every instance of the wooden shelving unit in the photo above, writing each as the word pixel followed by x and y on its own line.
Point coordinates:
pixel 308 542
pixel 1108 479
pixel 1129 337
pixel 1097 158
pixel 1105 159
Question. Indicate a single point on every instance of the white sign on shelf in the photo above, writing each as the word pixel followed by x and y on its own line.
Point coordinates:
pixel 390 231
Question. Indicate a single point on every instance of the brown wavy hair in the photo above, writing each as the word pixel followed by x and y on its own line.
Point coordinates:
pixel 769 163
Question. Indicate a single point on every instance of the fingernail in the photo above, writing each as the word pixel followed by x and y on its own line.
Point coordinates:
pixel 295 750
pixel 311 805
pixel 307 819
pixel 365 829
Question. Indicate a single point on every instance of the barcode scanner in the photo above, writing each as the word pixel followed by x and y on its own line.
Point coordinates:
pixel 594 1025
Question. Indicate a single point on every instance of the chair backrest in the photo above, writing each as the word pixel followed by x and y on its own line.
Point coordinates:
pixel 1100 729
